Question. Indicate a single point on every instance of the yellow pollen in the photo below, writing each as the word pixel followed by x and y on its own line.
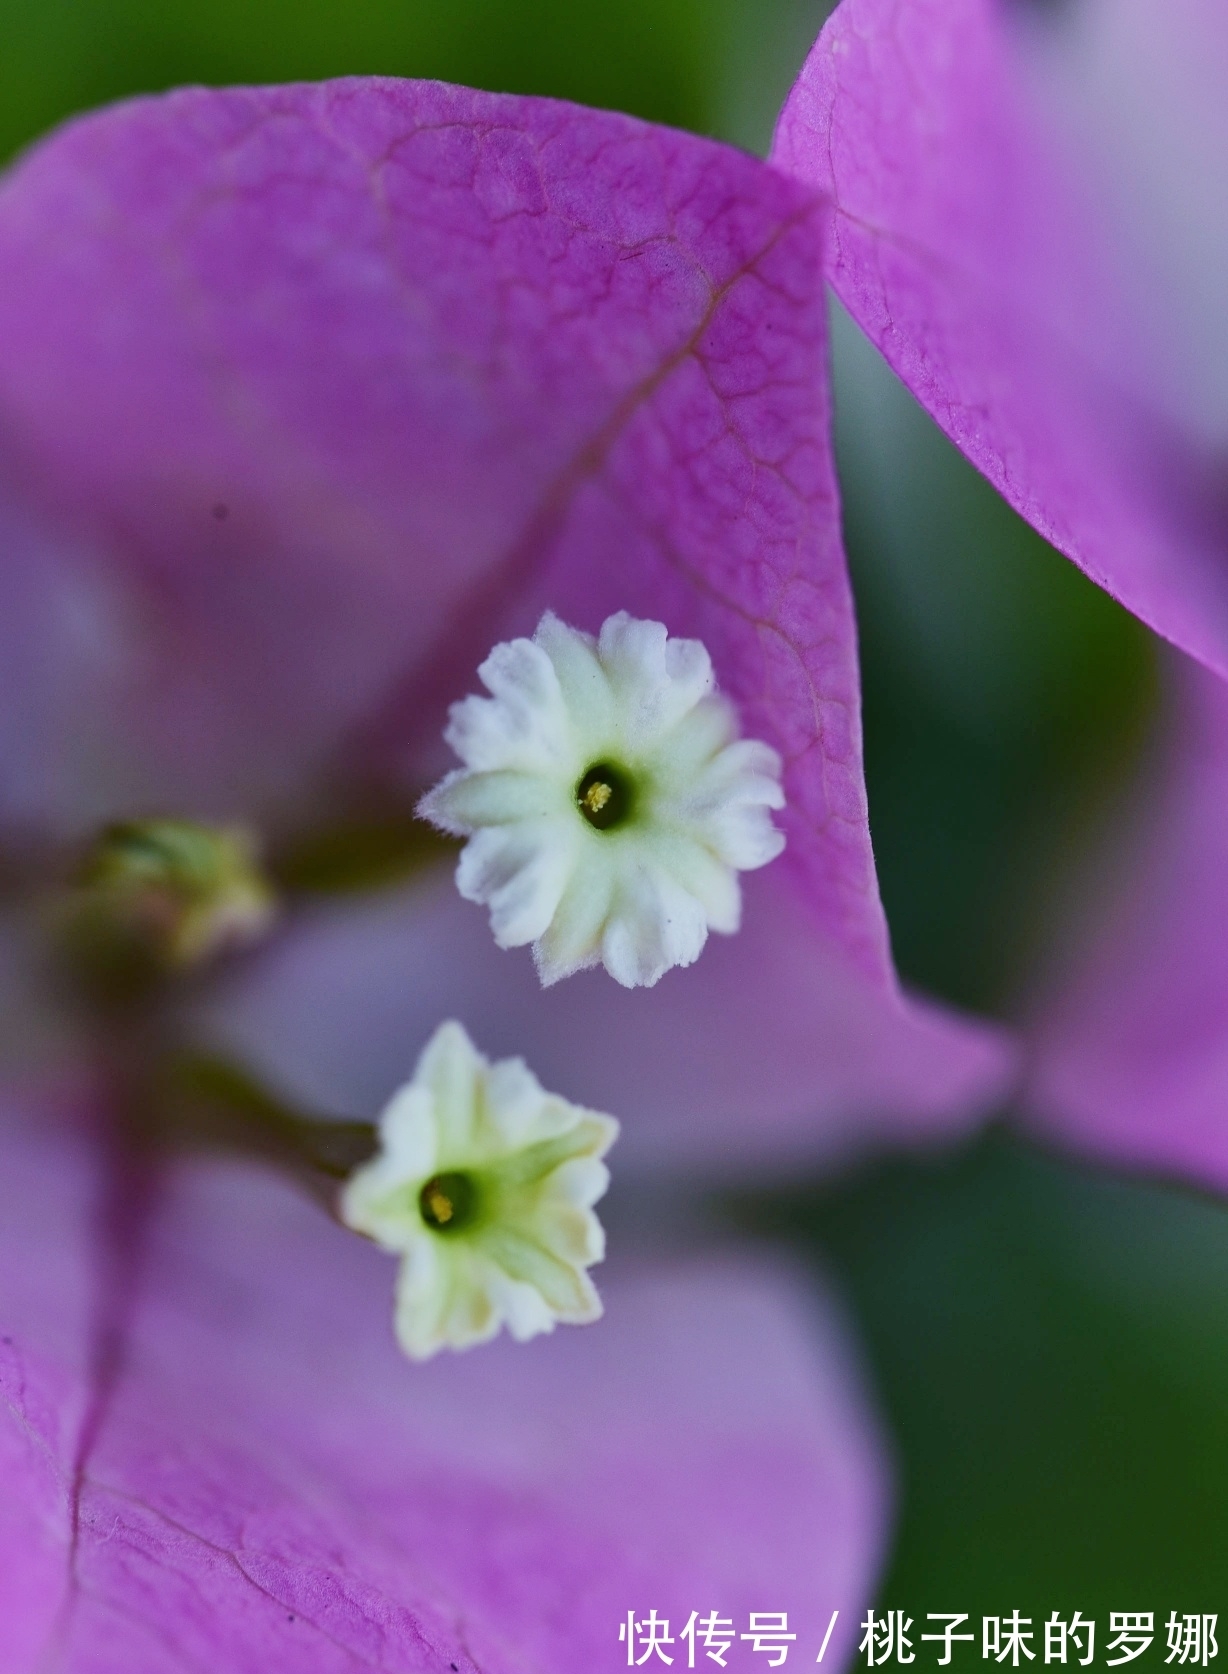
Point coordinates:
pixel 596 797
pixel 440 1206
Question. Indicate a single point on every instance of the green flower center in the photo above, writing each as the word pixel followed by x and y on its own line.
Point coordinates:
pixel 605 796
pixel 447 1201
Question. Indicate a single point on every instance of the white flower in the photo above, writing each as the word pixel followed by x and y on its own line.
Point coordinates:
pixel 485 1185
pixel 608 801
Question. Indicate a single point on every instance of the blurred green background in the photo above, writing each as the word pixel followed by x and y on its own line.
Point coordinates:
pixel 1048 1343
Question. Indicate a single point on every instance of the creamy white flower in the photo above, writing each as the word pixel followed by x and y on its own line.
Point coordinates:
pixel 484 1184
pixel 608 801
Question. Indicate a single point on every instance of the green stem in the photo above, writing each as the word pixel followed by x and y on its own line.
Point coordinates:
pixel 211 1104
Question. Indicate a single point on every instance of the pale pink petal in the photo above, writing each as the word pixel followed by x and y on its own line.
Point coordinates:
pixel 1131 1038
pixel 765 1052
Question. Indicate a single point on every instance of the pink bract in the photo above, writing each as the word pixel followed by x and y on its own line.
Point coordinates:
pixel 214 1457
pixel 1027 223
pixel 309 395
pixel 1131 1037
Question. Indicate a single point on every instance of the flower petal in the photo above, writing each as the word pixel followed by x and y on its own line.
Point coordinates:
pixel 766 1051
pixel 1026 226
pixel 1131 1044
pixel 265 1484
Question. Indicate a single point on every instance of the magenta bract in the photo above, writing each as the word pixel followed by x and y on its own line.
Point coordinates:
pixel 215 1457
pixel 1019 226
pixel 309 395
pixel 1027 222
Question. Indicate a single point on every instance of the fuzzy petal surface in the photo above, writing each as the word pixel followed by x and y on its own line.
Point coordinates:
pixel 1131 1040
pixel 259 1483
pixel 636 887
pixel 1028 224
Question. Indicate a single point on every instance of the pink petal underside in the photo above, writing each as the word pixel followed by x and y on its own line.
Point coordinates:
pixel 1131 1039
pixel 331 387
pixel 767 1052
pixel 259 1483
pixel 1028 227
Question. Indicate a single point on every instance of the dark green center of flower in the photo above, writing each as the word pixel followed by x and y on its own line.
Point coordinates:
pixel 447 1201
pixel 604 796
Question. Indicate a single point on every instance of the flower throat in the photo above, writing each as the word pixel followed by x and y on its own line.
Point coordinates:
pixel 605 796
